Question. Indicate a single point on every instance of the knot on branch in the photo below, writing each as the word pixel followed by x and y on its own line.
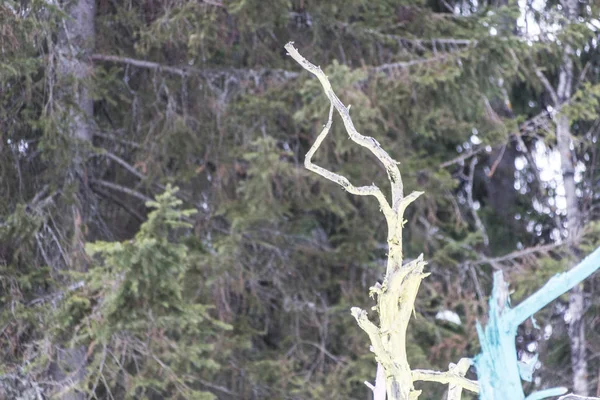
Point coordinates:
pixel 376 289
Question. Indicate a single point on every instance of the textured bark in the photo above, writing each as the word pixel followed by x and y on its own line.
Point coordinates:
pixel 18 387
pixel 74 49
pixel 67 371
pixel 563 138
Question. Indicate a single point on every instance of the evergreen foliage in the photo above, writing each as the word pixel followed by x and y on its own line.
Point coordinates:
pixel 147 337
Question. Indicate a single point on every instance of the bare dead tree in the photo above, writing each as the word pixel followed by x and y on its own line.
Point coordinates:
pixel 396 296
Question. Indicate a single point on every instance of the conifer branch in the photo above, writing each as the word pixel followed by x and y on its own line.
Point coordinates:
pixel 406 64
pixel 518 254
pixel 121 188
pixel 243 74
pixel 452 378
pixel 118 138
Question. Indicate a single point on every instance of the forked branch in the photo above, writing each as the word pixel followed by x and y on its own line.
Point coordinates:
pixel 368 142
pixel 339 179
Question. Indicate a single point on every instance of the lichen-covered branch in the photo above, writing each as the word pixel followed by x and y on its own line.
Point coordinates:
pixel 396 295
pixel 455 377
pixel 365 141
pixel 461 368
pixel 340 180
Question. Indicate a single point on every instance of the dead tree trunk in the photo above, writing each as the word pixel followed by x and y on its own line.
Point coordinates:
pixel 74 105
pixel 72 69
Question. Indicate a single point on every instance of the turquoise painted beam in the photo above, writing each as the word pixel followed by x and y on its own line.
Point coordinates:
pixel 498 370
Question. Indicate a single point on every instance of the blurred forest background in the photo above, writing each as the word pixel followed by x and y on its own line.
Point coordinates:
pixel 239 284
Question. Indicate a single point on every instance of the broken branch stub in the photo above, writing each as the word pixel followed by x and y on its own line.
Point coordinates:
pixel 396 296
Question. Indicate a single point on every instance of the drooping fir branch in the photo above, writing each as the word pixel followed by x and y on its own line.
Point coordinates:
pixel 498 370
pixel 205 73
pixel 396 296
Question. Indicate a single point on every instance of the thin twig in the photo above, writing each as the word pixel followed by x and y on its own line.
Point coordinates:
pixel 122 189
pixel 124 164
pixel 517 254
pixel 497 161
pixel 379 388
pixel 548 86
pixel 407 64
pixel 469 190
pixel 118 139
pixel 204 73
pixel 213 3
pixel 445 377
pixel 461 158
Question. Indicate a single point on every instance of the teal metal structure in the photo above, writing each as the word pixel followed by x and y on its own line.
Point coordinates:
pixel 498 370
